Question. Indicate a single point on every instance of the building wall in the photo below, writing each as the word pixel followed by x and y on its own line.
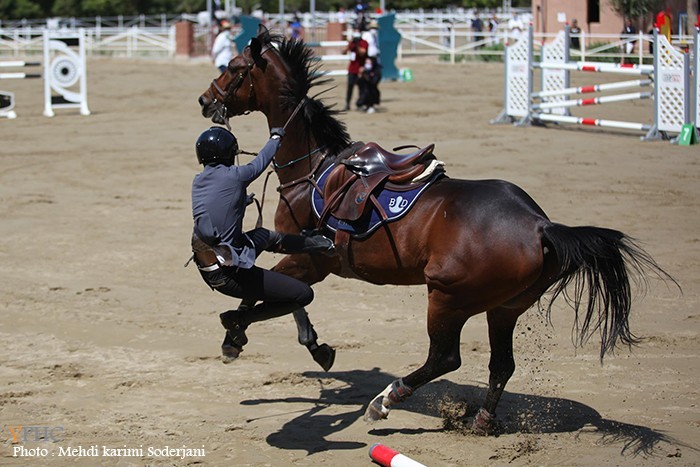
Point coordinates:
pixel 546 16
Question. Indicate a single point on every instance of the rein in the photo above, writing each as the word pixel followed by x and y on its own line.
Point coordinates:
pixel 260 204
pixel 233 86
pixel 309 177
pixel 298 159
pixel 225 94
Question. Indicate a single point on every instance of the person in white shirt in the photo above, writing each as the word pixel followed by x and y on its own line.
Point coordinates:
pixel 516 26
pixel 372 40
pixel 342 19
pixel 222 50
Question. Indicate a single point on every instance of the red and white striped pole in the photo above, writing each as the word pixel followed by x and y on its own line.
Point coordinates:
pixel 620 68
pixel 387 457
pixel 594 88
pixel 592 122
pixel 593 100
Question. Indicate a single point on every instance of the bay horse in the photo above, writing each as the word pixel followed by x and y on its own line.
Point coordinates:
pixel 478 245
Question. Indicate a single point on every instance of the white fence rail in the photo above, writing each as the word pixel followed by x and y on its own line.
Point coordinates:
pixel 447 36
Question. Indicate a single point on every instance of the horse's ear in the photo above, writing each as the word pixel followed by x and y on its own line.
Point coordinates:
pixel 262 31
pixel 255 49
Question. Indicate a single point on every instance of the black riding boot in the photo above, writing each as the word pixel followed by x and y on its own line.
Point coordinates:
pixel 235 338
pixel 237 321
pixel 307 244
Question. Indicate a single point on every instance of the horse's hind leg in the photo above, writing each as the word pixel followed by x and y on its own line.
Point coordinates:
pixel 444 329
pixel 501 365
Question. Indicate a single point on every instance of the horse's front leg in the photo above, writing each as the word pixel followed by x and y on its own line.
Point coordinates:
pixel 444 329
pixel 309 270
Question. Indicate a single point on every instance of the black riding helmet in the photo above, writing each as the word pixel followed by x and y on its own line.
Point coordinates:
pixel 216 146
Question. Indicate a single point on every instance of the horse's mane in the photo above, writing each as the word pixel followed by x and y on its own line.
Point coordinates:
pixel 304 74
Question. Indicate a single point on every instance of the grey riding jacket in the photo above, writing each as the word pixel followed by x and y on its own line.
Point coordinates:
pixel 218 206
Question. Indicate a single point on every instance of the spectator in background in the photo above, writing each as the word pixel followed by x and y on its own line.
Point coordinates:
pixel 357 48
pixel 222 50
pixel 446 32
pixel 371 74
pixel 628 30
pixel 478 28
pixel 575 35
pixel 370 36
pixel 341 15
pixel 663 23
pixel 362 9
pixel 368 82
pixel 493 29
pixel 296 29
pixel 515 26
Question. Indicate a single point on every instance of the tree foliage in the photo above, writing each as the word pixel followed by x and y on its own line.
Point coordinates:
pixel 18 9
pixel 635 9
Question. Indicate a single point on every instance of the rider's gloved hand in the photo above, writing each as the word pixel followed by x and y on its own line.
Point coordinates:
pixel 278 132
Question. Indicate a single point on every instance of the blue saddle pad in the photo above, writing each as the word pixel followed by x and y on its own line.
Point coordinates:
pixel 396 203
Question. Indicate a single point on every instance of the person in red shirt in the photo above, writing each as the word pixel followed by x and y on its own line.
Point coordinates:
pixel 663 23
pixel 357 48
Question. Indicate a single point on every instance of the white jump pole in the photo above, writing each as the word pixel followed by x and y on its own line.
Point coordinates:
pixel 592 122
pixel 669 76
pixel 622 69
pixel 594 88
pixel 7 99
pixel 593 100
pixel 18 64
pixel 17 74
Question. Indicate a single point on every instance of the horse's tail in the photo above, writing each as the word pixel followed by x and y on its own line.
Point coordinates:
pixel 600 262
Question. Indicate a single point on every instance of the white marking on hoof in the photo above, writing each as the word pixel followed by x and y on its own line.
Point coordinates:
pixel 376 411
pixel 379 408
pixel 229 353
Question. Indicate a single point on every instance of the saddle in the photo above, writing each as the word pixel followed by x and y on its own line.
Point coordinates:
pixel 355 180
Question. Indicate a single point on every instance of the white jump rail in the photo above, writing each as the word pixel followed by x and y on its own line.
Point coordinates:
pixel 669 76
pixel 333 58
pixel 7 99
pixel 64 69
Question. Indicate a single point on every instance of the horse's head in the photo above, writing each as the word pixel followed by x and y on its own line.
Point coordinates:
pixel 274 76
pixel 239 89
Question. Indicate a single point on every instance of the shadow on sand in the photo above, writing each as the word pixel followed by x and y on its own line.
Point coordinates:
pixel 521 413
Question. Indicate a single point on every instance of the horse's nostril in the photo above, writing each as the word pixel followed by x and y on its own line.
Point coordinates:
pixel 202 101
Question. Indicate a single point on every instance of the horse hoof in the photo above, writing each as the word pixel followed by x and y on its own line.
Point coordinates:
pixel 229 353
pixel 376 410
pixel 324 355
pixel 484 423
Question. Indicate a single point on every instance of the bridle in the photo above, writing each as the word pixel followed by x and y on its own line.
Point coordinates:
pixel 234 85
pixel 232 88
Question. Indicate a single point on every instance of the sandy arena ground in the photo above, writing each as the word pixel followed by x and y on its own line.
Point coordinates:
pixel 108 341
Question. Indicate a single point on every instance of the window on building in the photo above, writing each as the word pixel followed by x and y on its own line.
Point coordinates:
pixel 594 11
